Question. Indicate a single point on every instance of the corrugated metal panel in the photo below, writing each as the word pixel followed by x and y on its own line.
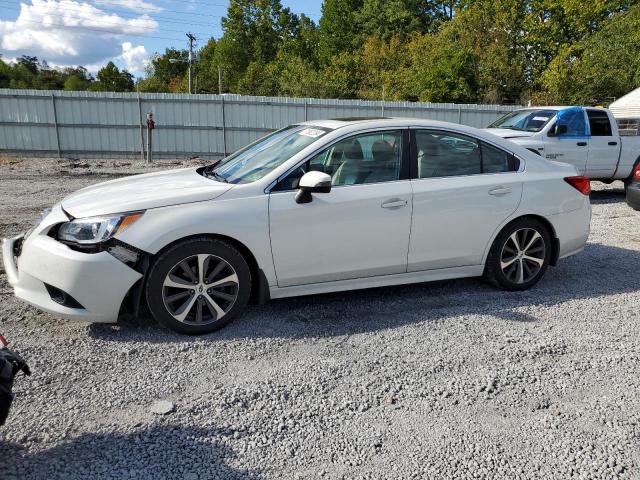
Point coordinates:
pixel 627 106
pixel 105 123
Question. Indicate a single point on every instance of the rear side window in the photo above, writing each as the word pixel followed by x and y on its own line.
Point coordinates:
pixel 599 123
pixel 445 154
pixel 495 160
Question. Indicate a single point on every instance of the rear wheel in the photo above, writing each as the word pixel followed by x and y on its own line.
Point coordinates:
pixel 198 286
pixel 519 255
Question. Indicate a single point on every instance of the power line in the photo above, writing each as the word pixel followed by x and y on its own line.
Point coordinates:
pixel 182 12
pixel 110 32
pixel 116 22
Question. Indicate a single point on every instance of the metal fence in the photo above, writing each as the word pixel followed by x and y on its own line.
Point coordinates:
pixel 97 124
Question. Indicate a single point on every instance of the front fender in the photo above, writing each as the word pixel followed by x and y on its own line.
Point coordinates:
pixel 245 220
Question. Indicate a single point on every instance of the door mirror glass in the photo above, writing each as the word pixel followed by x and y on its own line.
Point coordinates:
pixel 312 182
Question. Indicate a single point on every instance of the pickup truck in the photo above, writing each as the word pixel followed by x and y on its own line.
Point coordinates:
pixel 586 137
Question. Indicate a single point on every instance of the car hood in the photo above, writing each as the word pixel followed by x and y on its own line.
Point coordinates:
pixel 508 133
pixel 141 192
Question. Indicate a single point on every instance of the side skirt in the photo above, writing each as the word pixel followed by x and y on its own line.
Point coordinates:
pixel 379 281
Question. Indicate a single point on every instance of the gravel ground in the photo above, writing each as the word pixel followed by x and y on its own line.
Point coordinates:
pixel 443 380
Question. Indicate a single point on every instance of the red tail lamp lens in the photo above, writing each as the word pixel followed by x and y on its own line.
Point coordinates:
pixel 580 183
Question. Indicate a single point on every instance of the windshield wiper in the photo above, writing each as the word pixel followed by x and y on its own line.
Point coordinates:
pixel 219 177
pixel 209 171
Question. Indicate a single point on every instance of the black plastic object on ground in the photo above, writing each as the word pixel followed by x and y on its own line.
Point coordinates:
pixel 10 365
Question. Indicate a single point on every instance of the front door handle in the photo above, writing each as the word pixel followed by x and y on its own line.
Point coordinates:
pixel 394 203
pixel 612 144
pixel 500 191
pixel 582 144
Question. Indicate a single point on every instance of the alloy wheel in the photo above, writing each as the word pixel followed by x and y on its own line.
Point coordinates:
pixel 200 289
pixel 523 255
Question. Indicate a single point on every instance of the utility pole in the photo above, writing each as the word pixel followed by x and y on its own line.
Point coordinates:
pixel 219 80
pixel 192 39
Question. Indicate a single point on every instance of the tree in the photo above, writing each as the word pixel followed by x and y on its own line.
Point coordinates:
pixel 173 63
pixel 384 19
pixel 441 69
pixel 602 66
pixel 76 78
pixel 5 74
pixel 254 31
pixel 339 30
pixel 111 79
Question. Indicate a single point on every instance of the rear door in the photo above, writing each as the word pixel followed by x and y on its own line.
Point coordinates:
pixel 604 147
pixel 464 190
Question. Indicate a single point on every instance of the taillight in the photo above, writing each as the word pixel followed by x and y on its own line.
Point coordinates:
pixel 580 183
pixel 636 173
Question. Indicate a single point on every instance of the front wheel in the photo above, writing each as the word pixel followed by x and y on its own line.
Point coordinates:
pixel 519 255
pixel 198 286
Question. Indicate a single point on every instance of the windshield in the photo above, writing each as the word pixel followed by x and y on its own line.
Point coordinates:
pixel 259 158
pixel 530 120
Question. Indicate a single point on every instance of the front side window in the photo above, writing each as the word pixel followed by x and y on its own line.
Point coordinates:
pixel 574 121
pixel 446 154
pixel 365 158
pixel 258 159
pixel 528 120
pixel 599 123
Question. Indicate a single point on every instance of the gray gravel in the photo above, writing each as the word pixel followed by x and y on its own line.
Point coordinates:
pixel 444 380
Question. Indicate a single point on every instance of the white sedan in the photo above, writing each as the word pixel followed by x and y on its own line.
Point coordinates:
pixel 315 207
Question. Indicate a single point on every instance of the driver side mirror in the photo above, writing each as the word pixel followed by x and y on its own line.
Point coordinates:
pixel 558 130
pixel 312 182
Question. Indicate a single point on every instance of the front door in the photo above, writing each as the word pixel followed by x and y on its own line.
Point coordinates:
pixel 572 145
pixel 360 228
pixel 465 190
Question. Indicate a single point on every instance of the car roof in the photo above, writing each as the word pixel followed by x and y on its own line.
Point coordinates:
pixel 379 122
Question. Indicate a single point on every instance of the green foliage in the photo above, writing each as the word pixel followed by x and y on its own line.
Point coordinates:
pixel 441 69
pixel 339 30
pixel 486 51
pixel 603 66
pixel 77 79
pixel 111 79
pixel 29 72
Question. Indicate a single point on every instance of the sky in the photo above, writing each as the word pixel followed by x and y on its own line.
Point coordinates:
pixel 128 32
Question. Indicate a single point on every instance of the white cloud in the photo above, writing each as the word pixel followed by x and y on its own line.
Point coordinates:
pixel 135 5
pixel 134 59
pixel 67 32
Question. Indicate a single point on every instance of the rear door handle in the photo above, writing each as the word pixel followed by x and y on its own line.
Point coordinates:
pixel 394 203
pixel 613 144
pixel 582 144
pixel 500 191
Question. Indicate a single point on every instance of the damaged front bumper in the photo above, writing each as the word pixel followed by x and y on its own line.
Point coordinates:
pixel 65 282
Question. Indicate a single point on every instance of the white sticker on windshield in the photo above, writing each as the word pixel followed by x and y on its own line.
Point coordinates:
pixel 541 119
pixel 311 132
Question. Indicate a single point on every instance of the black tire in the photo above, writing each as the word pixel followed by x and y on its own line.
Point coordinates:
pixel 188 251
pixel 501 248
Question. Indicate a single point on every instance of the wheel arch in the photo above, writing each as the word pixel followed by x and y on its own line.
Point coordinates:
pixel 259 284
pixel 555 243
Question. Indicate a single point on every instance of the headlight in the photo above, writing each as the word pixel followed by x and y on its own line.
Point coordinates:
pixel 92 230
